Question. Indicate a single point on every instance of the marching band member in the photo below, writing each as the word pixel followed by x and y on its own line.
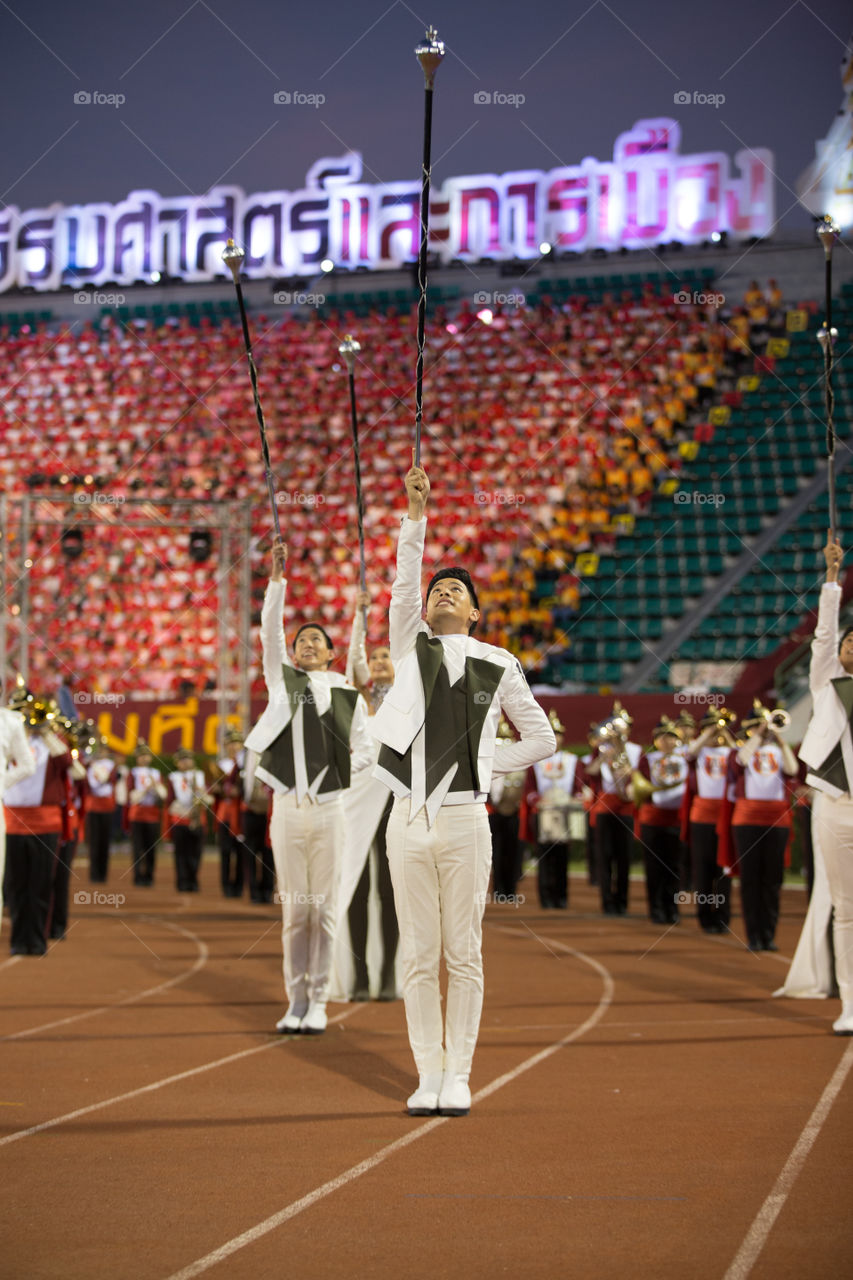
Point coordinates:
pixel 227 793
pixel 187 794
pixel 658 819
pixel 256 813
pixel 35 820
pixel 827 749
pixel 101 780
pixel 556 779
pixel 708 758
pixel 143 792
pixel 438 733
pixel 761 822
pixel 311 738
pixel 506 797
pixel 612 763
pixel 16 763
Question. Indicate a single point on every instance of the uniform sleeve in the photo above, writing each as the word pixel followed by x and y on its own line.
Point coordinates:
pixel 404 615
pixel 361 743
pixel 272 634
pixel 21 753
pixel 537 741
pixel 358 672
pixel 824 662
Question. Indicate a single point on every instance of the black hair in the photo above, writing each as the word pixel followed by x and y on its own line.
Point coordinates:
pixel 845 633
pixel 314 626
pixel 461 575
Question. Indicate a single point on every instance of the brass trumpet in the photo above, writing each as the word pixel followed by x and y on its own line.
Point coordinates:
pixel 776 720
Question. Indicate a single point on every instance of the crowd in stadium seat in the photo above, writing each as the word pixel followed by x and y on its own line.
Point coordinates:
pixel 541 427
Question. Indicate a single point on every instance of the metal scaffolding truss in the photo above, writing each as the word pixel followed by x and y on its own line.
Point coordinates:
pixel 21 516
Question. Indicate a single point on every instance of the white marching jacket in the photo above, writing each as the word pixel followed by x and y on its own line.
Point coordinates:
pixel 829 723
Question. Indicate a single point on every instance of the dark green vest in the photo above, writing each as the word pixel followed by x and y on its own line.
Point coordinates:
pixel 455 715
pixel 832 770
pixel 325 738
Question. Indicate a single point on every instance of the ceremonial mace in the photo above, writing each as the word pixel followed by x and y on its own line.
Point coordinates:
pixel 233 257
pixel 828 232
pixel 429 55
pixel 349 349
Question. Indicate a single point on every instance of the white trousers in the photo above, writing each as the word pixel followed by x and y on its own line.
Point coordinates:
pixel 440 877
pixel 306 844
pixel 832 832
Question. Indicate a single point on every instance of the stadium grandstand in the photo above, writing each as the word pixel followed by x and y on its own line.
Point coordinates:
pixel 613 436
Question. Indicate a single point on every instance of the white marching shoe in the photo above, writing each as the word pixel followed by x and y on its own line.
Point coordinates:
pixel 424 1101
pixel 843 1025
pixel 454 1098
pixel 292 1020
pixel 315 1021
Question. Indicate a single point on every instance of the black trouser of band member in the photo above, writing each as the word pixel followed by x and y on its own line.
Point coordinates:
pixel 188 842
pixel 261 865
pixel 30 864
pixel 232 851
pixel 711 887
pixel 100 829
pixel 761 858
pixel 552 873
pixel 662 858
pixel 506 854
pixel 614 838
pixel 143 838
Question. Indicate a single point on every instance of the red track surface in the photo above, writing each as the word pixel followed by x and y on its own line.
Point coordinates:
pixel 638 1097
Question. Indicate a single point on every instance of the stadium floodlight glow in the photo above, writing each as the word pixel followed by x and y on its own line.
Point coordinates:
pixel 545 248
pixel 486 315
pixel 327 265
pixel 716 237
pixel 154 277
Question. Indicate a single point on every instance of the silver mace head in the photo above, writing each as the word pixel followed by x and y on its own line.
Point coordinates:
pixel 429 55
pixel 827 232
pixel 823 336
pixel 232 256
pixel 349 349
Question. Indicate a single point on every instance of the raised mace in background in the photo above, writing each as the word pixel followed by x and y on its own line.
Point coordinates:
pixel 233 257
pixel 429 55
pixel 349 349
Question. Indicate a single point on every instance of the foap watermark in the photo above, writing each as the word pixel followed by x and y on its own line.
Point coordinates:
pixel 299 899
pixel 501 899
pixel 94 98
pixel 96 299
pixel 98 499
pixel 498 498
pixel 495 98
pixel 99 699
pixel 298 498
pixel 284 299
pixel 699 299
pixel 294 98
pixel 692 497
pixel 684 899
pixel 94 898
pixel 684 98
pixel 482 298
pixel 686 696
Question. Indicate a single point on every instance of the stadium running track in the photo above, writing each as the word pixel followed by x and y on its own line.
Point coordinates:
pixel 642 1107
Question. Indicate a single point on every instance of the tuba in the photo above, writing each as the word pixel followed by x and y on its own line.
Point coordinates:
pixel 609 739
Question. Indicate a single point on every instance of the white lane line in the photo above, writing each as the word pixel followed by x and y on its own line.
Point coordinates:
pixel 756 1237
pixel 201 961
pixel 158 1084
pixel 365 1166
pixel 7 964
